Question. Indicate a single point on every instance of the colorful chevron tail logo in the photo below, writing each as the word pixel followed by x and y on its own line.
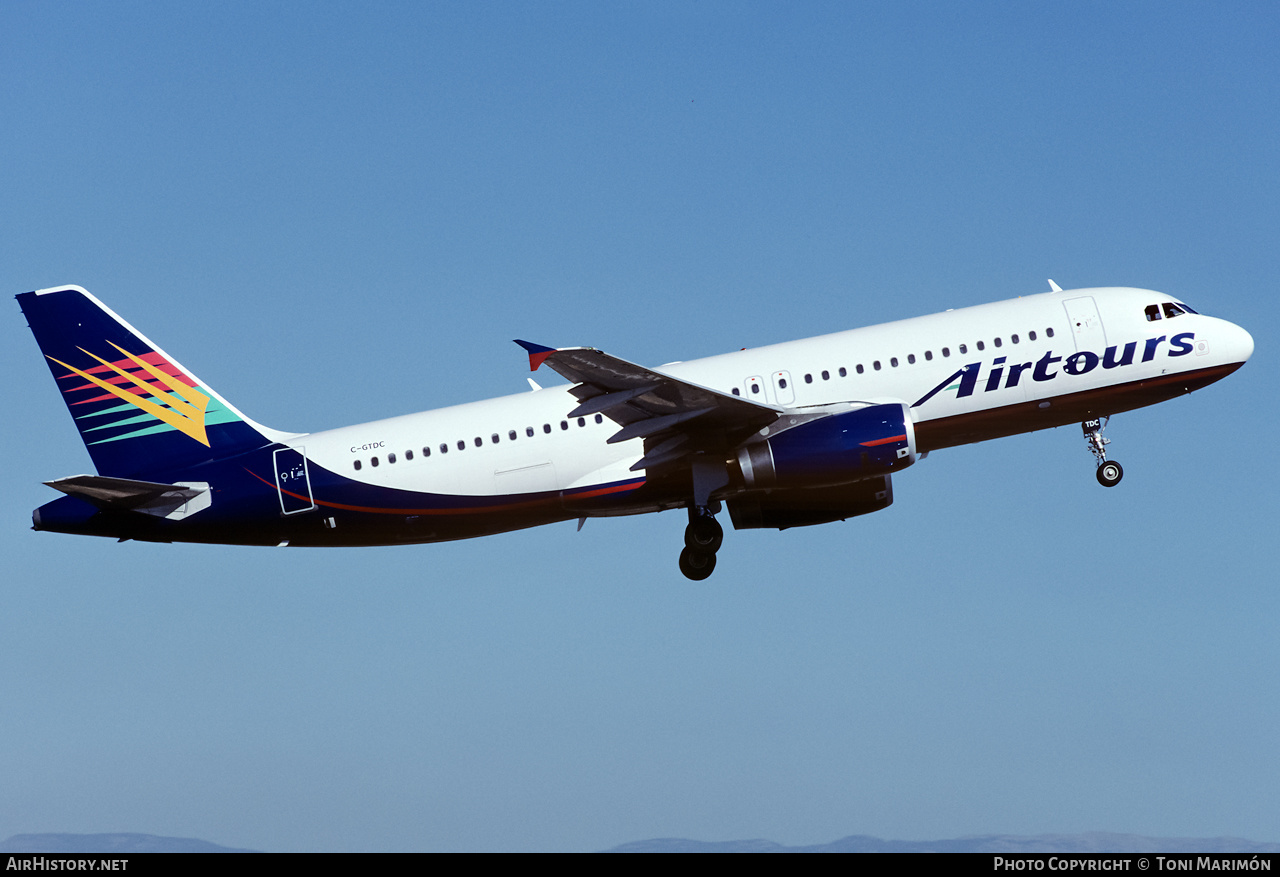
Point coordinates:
pixel 166 396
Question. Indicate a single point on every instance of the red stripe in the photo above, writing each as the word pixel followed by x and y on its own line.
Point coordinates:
pixel 130 366
pixel 475 510
pixel 885 441
pixel 137 373
pixel 152 389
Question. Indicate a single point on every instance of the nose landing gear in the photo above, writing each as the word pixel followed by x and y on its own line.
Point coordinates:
pixel 702 539
pixel 1109 471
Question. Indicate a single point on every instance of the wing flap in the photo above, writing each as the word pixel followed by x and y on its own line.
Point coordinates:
pixel 605 401
pixel 655 425
pixel 661 453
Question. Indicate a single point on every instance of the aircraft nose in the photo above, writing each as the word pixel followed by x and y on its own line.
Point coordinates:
pixel 1241 343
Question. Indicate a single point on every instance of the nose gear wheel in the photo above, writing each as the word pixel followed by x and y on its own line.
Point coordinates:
pixel 1109 472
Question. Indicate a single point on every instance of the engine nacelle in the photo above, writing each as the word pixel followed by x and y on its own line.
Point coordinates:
pixel 780 509
pixel 839 449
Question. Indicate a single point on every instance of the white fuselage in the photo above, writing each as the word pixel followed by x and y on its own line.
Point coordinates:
pixel 525 443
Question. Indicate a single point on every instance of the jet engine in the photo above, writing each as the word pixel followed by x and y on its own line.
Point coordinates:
pixel 780 509
pixel 839 449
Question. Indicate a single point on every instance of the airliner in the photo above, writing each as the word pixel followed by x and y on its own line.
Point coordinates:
pixel 788 435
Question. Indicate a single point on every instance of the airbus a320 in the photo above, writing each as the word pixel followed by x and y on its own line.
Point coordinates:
pixel 789 435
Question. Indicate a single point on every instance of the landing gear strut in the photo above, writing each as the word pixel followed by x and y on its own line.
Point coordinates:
pixel 1109 471
pixel 702 539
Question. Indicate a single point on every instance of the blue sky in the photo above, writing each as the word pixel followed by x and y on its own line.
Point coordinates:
pixel 343 212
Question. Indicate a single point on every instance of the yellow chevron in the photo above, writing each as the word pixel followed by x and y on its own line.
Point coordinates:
pixel 186 409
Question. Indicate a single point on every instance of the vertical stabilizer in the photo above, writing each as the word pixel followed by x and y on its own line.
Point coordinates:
pixel 139 412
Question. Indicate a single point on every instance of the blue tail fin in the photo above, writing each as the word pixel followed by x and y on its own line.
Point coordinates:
pixel 138 410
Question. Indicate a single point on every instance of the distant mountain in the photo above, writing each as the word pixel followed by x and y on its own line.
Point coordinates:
pixel 1091 842
pixel 109 844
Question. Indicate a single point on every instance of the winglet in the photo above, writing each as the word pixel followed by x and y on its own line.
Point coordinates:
pixel 1053 286
pixel 537 353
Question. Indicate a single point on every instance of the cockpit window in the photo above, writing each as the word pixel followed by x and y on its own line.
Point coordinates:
pixel 1152 312
pixel 1187 309
pixel 1171 310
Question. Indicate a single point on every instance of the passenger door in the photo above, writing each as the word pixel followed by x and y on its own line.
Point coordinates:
pixel 1086 325
pixel 293 482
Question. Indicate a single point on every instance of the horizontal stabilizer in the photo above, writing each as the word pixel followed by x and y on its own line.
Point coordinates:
pixel 146 497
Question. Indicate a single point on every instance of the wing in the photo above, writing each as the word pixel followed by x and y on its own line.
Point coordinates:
pixel 676 419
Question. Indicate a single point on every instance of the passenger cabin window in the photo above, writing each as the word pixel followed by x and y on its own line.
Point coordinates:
pixel 391 458
pixel 511 434
pixel 843 373
pixel 1152 312
pixel 1049 332
pixel 876 365
pixel 911 359
pixel 1014 339
pixel 546 427
pixel 860 369
pixel 408 455
pixel 426 452
pixel 479 441
pixel 928 356
pixel 964 348
pixel 946 351
pixel 462 444
pixel 357 465
pixel 981 346
pixel 599 418
pixel 494 438
pixel 1032 335
pixel 999 343
pixel 826 375
pixel 808 379
pixel 374 462
pixel 737 392
pixel 444 449
pixel 528 430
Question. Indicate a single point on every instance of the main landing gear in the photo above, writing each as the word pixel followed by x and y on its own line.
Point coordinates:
pixel 1109 471
pixel 702 539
